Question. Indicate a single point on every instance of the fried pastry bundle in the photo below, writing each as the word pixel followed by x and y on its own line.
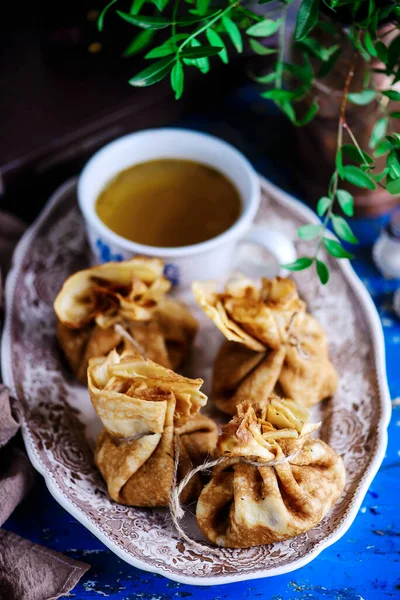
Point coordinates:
pixel 146 410
pixel 246 505
pixel 97 305
pixel 272 344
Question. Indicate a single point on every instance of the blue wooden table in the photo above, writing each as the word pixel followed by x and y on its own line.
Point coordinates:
pixel 364 564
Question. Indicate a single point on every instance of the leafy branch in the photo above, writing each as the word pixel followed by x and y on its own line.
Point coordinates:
pixel 202 32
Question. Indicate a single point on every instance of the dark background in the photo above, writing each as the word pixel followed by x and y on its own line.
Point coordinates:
pixel 65 94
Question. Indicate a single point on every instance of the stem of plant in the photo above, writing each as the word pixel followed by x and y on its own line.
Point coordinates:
pixel 250 14
pixel 218 16
pixel 354 140
pixel 342 125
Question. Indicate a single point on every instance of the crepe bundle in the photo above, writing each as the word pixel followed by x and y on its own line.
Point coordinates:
pixel 245 505
pixel 272 344
pixel 145 408
pixel 97 305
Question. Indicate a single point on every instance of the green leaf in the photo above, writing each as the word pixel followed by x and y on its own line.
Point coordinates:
pixel 308 232
pixel 310 114
pixel 152 74
pixel 177 79
pixel 381 51
pixel 278 95
pixel 346 202
pixel 336 249
pixel 160 4
pixel 201 52
pixel 160 51
pixel 352 152
pixel 379 176
pixel 100 20
pixel 194 11
pixel 393 165
pixel 303 72
pixel 322 271
pixel 392 94
pixel 393 187
pixel 216 40
pixel 378 132
pixel 357 177
pixel 393 53
pixel 323 205
pixel 374 24
pixel 139 42
pixel 260 49
pixel 288 109
pixel 369 44
pixel 234 33
pixel 307 18
pixel 268 78
pixel 354 37
pixel 393 139
pixel 367 78
pixel 136 6
pixel 167 48
pixel 202 6
pixel 144 22
pixel 203 64
pixel 298 265
pixel 343 230
pixel 362 98
pixel 395 115
pixel 316 49
pixel 386 10
pixel 328 65
pixel 264 28
pixel 382 148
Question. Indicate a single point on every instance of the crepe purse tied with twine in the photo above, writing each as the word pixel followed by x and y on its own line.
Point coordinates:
pixel 273 344
pixel 97 305
pixel 146 409
pixel 247 504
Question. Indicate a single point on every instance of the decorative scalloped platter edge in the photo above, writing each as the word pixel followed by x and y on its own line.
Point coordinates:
pixel 59 424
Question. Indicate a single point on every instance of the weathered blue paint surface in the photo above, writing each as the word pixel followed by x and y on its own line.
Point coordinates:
pixel 364 564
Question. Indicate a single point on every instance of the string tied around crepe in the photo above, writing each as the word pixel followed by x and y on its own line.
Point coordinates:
pixel 127 336
pixel 175 507
pixel 293 340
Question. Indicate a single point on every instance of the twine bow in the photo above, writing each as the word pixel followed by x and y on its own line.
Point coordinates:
pixel 175 507
pixel 293 340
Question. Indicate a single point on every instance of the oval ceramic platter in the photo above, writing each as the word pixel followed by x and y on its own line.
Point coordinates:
pixel 59 424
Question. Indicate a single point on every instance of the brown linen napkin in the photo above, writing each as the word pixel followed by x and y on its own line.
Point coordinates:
pixel 27 571
pixel 31 572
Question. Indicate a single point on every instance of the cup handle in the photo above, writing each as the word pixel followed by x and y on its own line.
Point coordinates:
pixel 276 243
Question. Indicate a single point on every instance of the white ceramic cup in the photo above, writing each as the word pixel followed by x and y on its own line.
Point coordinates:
pixel 212 259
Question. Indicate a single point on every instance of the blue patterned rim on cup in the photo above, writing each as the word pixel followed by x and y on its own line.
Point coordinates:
pixel 105 254
pixel 171 272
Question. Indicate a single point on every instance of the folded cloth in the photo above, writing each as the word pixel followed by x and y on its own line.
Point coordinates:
pixel 31 572
pixel 27 571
